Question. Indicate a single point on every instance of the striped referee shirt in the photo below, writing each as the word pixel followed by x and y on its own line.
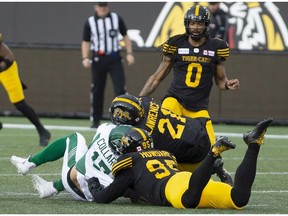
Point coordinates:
pixel 103 33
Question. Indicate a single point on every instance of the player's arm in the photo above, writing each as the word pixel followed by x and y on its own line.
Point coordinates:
pixel 220 77
pixel 222 81
pixel 7 57
pixel 156 78
pixel 115 190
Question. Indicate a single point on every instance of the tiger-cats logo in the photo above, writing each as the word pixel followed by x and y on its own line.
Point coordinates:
pixel 252 25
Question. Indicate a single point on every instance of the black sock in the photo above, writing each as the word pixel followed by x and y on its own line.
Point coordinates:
pixel 198 181
pixel 244 176
pixel 29 113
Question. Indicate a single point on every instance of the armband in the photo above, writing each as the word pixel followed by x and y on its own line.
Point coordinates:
pixel 226 86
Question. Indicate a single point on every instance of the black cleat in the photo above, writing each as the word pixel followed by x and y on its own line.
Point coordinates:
pixel 222 144
pixel 221 172
pixel 1 126
pixel 44 138
pixel 256 136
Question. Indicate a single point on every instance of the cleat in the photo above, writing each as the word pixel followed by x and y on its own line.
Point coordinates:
pixel 221 172
pixel 44 138
pixel 44 188
pixel 222 144
pixel 256 136
pixel 22 165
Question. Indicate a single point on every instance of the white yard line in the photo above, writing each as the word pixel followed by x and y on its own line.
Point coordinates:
pixel 75 128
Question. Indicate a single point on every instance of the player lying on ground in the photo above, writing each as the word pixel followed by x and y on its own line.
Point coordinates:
pixel 79 162
pixel 154 176
pixel 186 138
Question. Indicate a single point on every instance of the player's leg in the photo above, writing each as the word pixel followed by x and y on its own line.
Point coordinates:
pixel 76 149
pixel 99 77
pixel 245 173
pixel 202 175
pixel 30 114
pixel 52 152
pixel 118 78
pixel 13 86
pixel 173 105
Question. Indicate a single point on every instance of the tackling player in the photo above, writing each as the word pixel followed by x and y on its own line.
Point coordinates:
pixel 153 174
pixel 186 138
pixel 79 162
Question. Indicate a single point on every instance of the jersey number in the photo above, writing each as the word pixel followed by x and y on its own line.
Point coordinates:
pixel 99 164
pixel 198 69
pixel 175 133
pixel 161 169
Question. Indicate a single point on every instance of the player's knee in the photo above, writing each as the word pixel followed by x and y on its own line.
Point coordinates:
pixel 20 105
pixel 190 200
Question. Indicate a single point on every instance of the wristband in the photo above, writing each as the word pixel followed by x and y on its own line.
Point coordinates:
pixel 226 86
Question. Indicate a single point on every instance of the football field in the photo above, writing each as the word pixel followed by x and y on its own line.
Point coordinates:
pixel 17 195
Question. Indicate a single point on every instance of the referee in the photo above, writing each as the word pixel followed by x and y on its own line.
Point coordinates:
pixel 100 35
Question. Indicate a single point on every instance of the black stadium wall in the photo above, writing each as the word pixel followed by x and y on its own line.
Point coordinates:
pixel 46 37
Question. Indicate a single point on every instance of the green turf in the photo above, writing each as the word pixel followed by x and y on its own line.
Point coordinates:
pixel 17 196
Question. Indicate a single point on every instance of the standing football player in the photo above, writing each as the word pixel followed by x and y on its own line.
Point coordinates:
pixel 11 82
pixel 195 59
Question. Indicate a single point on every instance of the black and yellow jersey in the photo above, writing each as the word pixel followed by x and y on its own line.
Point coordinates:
pixel 145 172
pixel 194 69
pixel 185 137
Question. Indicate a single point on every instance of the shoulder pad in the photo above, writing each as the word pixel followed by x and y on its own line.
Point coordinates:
pixel 122 164
pixel 170 46
pixel 223 49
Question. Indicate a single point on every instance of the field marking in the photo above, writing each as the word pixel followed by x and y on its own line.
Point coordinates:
pixel 51 127
pixel 59 174
pixel 74 128
pixel 240 135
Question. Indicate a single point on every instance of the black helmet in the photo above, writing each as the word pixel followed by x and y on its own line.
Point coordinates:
pixel 197 13
pixel 126 109
pixel 115 137
pixel 136 139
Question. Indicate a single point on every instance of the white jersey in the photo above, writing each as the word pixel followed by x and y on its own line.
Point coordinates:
pixel 98 160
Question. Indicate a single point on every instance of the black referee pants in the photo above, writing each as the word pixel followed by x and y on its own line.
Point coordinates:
pixel 101 66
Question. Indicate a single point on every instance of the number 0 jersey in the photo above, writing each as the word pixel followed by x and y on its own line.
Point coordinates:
pixel 185 137
pixel 194 69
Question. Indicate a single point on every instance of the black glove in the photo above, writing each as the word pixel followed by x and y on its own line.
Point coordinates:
pixel 94 185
